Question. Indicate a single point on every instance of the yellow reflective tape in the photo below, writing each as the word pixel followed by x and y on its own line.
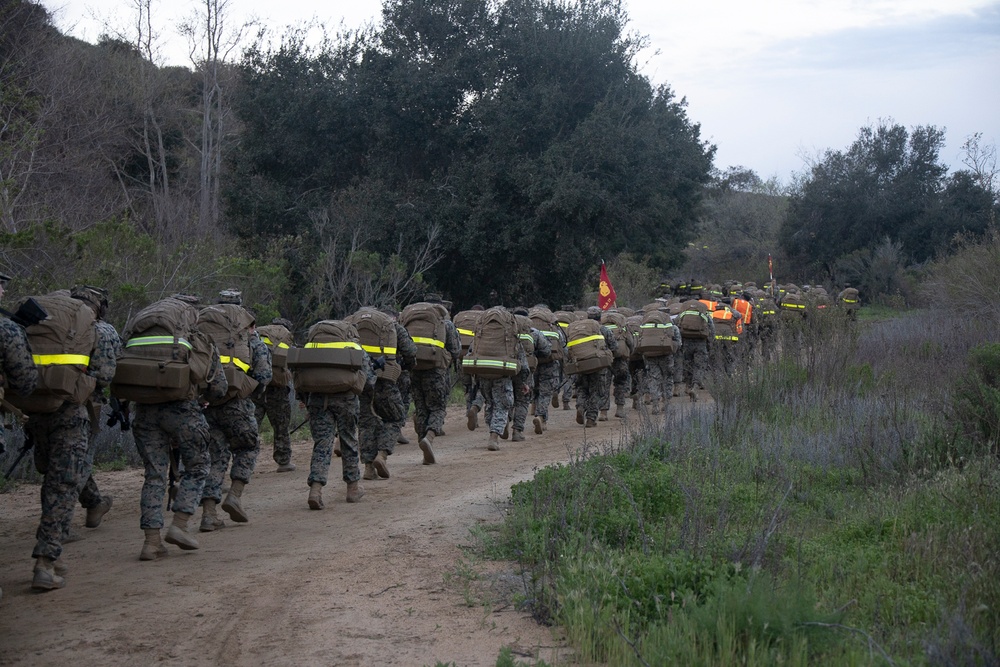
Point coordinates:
pixel 613 327
pixel 563 324
pixel 428 341
pixel 156 340
pixel 489 363
pixel 61 359
pixel 347 345
pixel 800 306
pixel 719 337
pixel 267 341
pixel 235 361
pixel 375 349
pixel 849 300
pixel 466 332
pixel 550 334
pixel 655 326
pixel 527 337
pixel 586 339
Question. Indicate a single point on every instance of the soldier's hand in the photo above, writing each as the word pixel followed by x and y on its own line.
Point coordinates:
pixel 378 363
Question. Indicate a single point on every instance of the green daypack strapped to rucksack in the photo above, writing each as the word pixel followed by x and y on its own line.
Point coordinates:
pixel 228 326
pixel 656 335
pixel 465 323
pixel 494 354
pixel 377 335
pixel 425 324
pixel 164 357
pixel 587 351
pixel 331 361
pixel 61 346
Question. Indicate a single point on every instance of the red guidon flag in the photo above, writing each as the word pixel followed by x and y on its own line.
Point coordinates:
pixel 605 292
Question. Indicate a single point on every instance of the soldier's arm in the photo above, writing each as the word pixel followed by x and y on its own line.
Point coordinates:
pixel 406 349
pixel 543 348
pixel 368 370
pixel 452 340
pixel 16 363
pixel 609 338
pixel 104 357
pixel 260 365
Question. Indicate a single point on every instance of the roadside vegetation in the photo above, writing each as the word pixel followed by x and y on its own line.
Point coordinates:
pixel 837 506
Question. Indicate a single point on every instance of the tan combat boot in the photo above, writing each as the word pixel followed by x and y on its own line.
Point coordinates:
pixel 539 425
pixel 621 411
pixel 178 533
pixel 603 417
pixel 506 431
pixel 531 409
pixel 60 567
pixel 152 548
pixel 381 464
pixel 579 415
pixel 369 472
pixel 355 492
pixel 494 444
pixel 425 447
pixel 336 447
pixel 590 424
pixel 96 514
pixel 233 502
pixel 45 577
pixel 210 517
pixel 635 402
pixel 402 439
pixel 517 436
pixel 316 496
pixel 286 467
pixel 472 417
pixel 555 400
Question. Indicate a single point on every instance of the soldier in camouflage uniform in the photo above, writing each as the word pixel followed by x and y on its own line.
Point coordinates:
pixel 377 437
pixel 695 353
pixel 621 379
pixel 431 389
pixel 542 349
pixel 234 437
pixel 330 416
pixel 160 428
pixel 274 402
pixel 548 379
pixel 61 441
pixel 592 388
pixel 403 383
pixel 659 375
pixel 498 395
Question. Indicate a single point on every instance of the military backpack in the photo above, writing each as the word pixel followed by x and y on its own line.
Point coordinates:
pixel 377 335
pixel 465 323
pixel 331 361
pixel 279 340
pixel 587 350
pixel 494 354
pixel 545 321
pixel 618 325
pixel 228 326
pixel 656 335
pixel 693 321
pixel 425 322
pixel 527 340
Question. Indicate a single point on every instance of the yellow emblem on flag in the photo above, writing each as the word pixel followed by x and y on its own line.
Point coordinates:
pixel 605 290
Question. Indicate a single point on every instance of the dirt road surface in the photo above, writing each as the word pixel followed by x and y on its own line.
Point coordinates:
pixel 388 581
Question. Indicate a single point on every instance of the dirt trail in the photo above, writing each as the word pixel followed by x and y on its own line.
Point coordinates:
pixel 374 583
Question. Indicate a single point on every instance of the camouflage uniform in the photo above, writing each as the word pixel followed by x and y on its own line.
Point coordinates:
pixel 275 404
pixel 592 388
pixel 90 495
pixel 548 378
pixel 660 378
pixel 17 368
pixel 695 351
pixel 469 384
pixel 621 377
pixel 431 388
pixel 498 395
pixel 61 440
pixel 176 424
pixel 375 434
pixel 332 415
pixel 525 377
pixel 234 429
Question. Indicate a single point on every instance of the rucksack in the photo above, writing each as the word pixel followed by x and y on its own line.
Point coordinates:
pixel 495 351
pixel 656 335
pixel 465 323
pixel 587 350
pixel 526 339
pixel 425 324
pixel 543 320
pixel 792 304
pixel 331 361
pixel 228 326
pixel 164 358
pixel 633 324
pixel 619 327
pixel 693 321
pixel 727 326
pixel 279 340
pixel 563 319
pixel 61 345
pixel 377 335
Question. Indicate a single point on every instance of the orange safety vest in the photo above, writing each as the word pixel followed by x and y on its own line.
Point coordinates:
pixel 745 309
pixel 726 315
pixel 711 305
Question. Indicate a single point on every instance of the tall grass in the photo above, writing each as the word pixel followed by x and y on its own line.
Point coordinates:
pixel 838 506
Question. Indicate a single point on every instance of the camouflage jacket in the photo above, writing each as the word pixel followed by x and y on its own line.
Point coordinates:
pixel 104 358
pixel 217 384
pixel 16 364
pixel 406 349
pixel 260 362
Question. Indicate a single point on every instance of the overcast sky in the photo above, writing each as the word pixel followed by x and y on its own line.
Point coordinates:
pixel 771 82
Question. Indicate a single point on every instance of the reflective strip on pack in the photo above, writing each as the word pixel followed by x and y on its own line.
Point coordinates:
pixel 849 300
pixel 156 340
pixel 61 359
pixel 550 334
pixel 528 337
pixel 721 337
pixel 375 349
pixel 768 312
pixel 267 341
pixel 563 324
pixel 467 332
pixel 586 339
pixel 335 345
pixel 613 327
pixel 794 306
pixel 489 363
pixel 654 325
pixel 235 361
pixel 419 340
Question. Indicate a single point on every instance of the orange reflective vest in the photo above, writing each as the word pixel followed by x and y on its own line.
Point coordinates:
pixel 729 317
pixel 711 305
pixel 745 309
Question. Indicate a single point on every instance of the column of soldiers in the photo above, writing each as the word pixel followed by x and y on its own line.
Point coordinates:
pixel 221 376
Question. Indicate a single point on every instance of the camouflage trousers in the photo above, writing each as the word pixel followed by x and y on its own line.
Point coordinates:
pixel 546 383
pixel 332 415
pixel 591 389
pixel 374 434
pixel 158 429
pixel 567 389
pixel 234 437
pixel 404 384
pixel 90 495
pixel 60 442
pixel 430 398
pixel 523 386
pixel 498 394
pixel 660 377
pixel 695 362
pixel 621 380
pixel 469 384
pixel 638 371
pixel 275 405
pixel 724 355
